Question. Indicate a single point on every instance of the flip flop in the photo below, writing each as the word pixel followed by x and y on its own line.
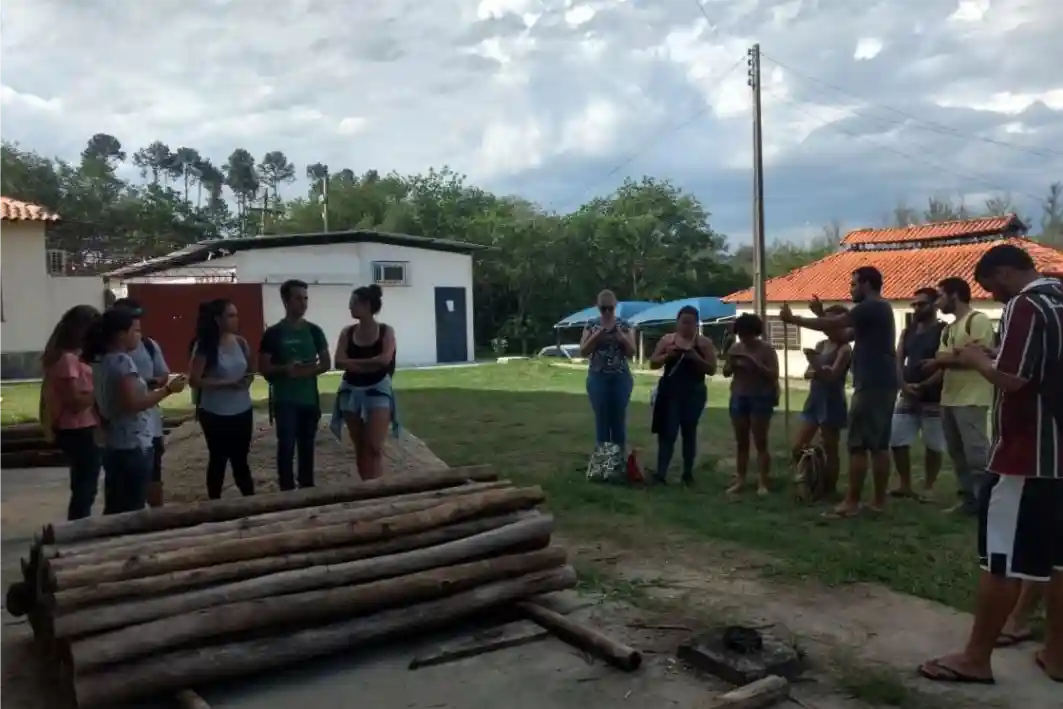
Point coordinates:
pixel 907 495
pixel 1041 663
pixel 835 514
pixel 1012 639
pixel 943 673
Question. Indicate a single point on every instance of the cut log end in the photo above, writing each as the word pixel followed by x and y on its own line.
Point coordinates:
pixel 763 693
pixel 584 637
pixel 19 599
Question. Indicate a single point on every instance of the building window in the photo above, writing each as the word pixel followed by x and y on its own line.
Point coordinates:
pixel 56 261
pixel 783 336
pixel 391 273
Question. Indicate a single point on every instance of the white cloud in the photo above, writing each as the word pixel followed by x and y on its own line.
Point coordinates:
pixel 543 97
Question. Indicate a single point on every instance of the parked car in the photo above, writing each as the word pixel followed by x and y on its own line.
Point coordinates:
pixel 568 352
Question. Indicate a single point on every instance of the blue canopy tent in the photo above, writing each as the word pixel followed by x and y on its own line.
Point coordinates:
pixel 710 310
pixel 625 310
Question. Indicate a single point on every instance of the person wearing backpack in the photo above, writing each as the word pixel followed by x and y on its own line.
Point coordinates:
pixel 221 374
pixel 965 396
pixel 291 356
pixel 1020 508
pixel 154 371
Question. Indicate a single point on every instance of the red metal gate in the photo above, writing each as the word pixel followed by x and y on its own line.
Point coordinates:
pixel 170 312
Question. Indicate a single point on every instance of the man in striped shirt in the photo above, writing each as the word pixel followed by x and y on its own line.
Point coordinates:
pixel 1020 535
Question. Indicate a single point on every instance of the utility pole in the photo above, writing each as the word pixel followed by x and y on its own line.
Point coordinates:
pixel 324 198
pixel 759 298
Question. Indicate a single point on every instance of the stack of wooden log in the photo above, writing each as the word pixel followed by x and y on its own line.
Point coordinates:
pixel 24 445
pixel 149 602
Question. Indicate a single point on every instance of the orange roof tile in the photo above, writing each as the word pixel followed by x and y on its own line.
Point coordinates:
pixel 1007 225
pixel 903 271
pixel 12 210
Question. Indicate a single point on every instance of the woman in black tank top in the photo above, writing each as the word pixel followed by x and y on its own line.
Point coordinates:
pixel 366 355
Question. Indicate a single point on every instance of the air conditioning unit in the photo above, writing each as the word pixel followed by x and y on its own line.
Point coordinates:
pixel 391 273
pixel 55 262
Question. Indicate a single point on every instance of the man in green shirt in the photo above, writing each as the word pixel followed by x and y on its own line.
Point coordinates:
pixel 292 354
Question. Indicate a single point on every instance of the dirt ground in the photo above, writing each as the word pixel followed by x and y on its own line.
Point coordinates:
pixel 185 463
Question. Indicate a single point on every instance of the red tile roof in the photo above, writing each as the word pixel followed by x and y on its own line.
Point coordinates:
pixel 903 271
pixel 12 210
pixel 1007 225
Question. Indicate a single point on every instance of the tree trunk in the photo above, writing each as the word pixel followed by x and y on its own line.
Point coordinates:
pixel 312 538
pixel 81 596
pixel 129 541
pixel 303 609
pixel 99 618
pixel 583 637
pixel 190 514
pixel 195 666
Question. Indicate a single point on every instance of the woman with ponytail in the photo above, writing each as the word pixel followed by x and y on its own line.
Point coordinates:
pixel 124 403
pixel 67 411
pixel 365 401
pixel 221 374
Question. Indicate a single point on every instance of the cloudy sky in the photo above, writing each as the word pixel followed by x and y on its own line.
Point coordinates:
pixel 865 102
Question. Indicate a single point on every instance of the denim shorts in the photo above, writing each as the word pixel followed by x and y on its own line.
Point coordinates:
pixel 752 405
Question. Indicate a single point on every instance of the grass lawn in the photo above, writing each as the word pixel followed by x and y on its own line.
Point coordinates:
pixel 533 423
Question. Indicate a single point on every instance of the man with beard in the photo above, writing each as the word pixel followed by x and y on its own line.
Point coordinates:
pixel 1020 535
pixel 919 406
pixel 965 395
pixel 874 383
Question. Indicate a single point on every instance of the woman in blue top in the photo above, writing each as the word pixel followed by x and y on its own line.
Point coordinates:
pixel 221 372
pixel 124 403
pixel 608 345
pixel 826 409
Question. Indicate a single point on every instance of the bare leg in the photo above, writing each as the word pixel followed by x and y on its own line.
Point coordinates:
pixel 880 478
pixel 831 442
pixel 1017 629
pixel 902 461
pixel 933 467
pixel 374 434
pixel 355 429
pixel 741 430
pixel 857 474
pixel 1051 658
pixel 760 426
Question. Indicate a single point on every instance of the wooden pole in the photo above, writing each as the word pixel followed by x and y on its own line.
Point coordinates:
pixel 190 514
pixel 99 618
pixel 53 551
pixel 756 695
pixel 583 637
pixel 82 596
pixel 314 538
pixel 302 609
pixel 195 666
pixel 187 699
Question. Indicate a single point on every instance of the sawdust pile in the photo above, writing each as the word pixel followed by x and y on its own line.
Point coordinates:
pixel 184 467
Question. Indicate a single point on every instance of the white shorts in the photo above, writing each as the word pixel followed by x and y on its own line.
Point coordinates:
pixel 906 428
pixel 1020 527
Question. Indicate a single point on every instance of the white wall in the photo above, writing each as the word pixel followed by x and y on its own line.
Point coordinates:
pixel 33 300
pixel 333 271
pixel 795 359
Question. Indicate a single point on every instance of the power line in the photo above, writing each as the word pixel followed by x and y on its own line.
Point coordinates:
pixel 930 125
pixel 908 156
pixel 649 143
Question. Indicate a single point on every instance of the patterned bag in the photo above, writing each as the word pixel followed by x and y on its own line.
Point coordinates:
pixel 810 475
pixel 607 464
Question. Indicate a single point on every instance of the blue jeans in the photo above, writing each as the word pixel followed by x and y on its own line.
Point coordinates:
pixel 79 447
pixel 609 395
pixel 296 427
pixel 681 412
pixel 126 474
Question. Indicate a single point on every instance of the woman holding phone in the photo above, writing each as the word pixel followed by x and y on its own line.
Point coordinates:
pixel 221 373
pixel 826 409
pixel 753 367
pixel 608 345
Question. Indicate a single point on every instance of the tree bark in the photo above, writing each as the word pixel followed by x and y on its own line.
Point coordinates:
pixel 193 667
pixel 491 502
pixel 94 546
pixel 82 596
pixel 583 637
pixel 190 514
pixel 305 609
pixel 99 618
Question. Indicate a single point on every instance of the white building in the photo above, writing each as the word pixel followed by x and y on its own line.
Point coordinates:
pixel 427 286
pixel 34 288
pixel 908 258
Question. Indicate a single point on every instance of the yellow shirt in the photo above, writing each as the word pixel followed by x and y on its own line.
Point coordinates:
pixel 965 387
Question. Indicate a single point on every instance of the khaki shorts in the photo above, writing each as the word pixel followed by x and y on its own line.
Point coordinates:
pixel 871 419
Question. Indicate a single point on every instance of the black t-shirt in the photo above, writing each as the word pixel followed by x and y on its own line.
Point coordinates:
pixel 874 345
pixel 917 346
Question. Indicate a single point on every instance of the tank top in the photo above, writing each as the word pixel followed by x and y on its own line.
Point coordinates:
pixel 828 389
pixel 356 351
